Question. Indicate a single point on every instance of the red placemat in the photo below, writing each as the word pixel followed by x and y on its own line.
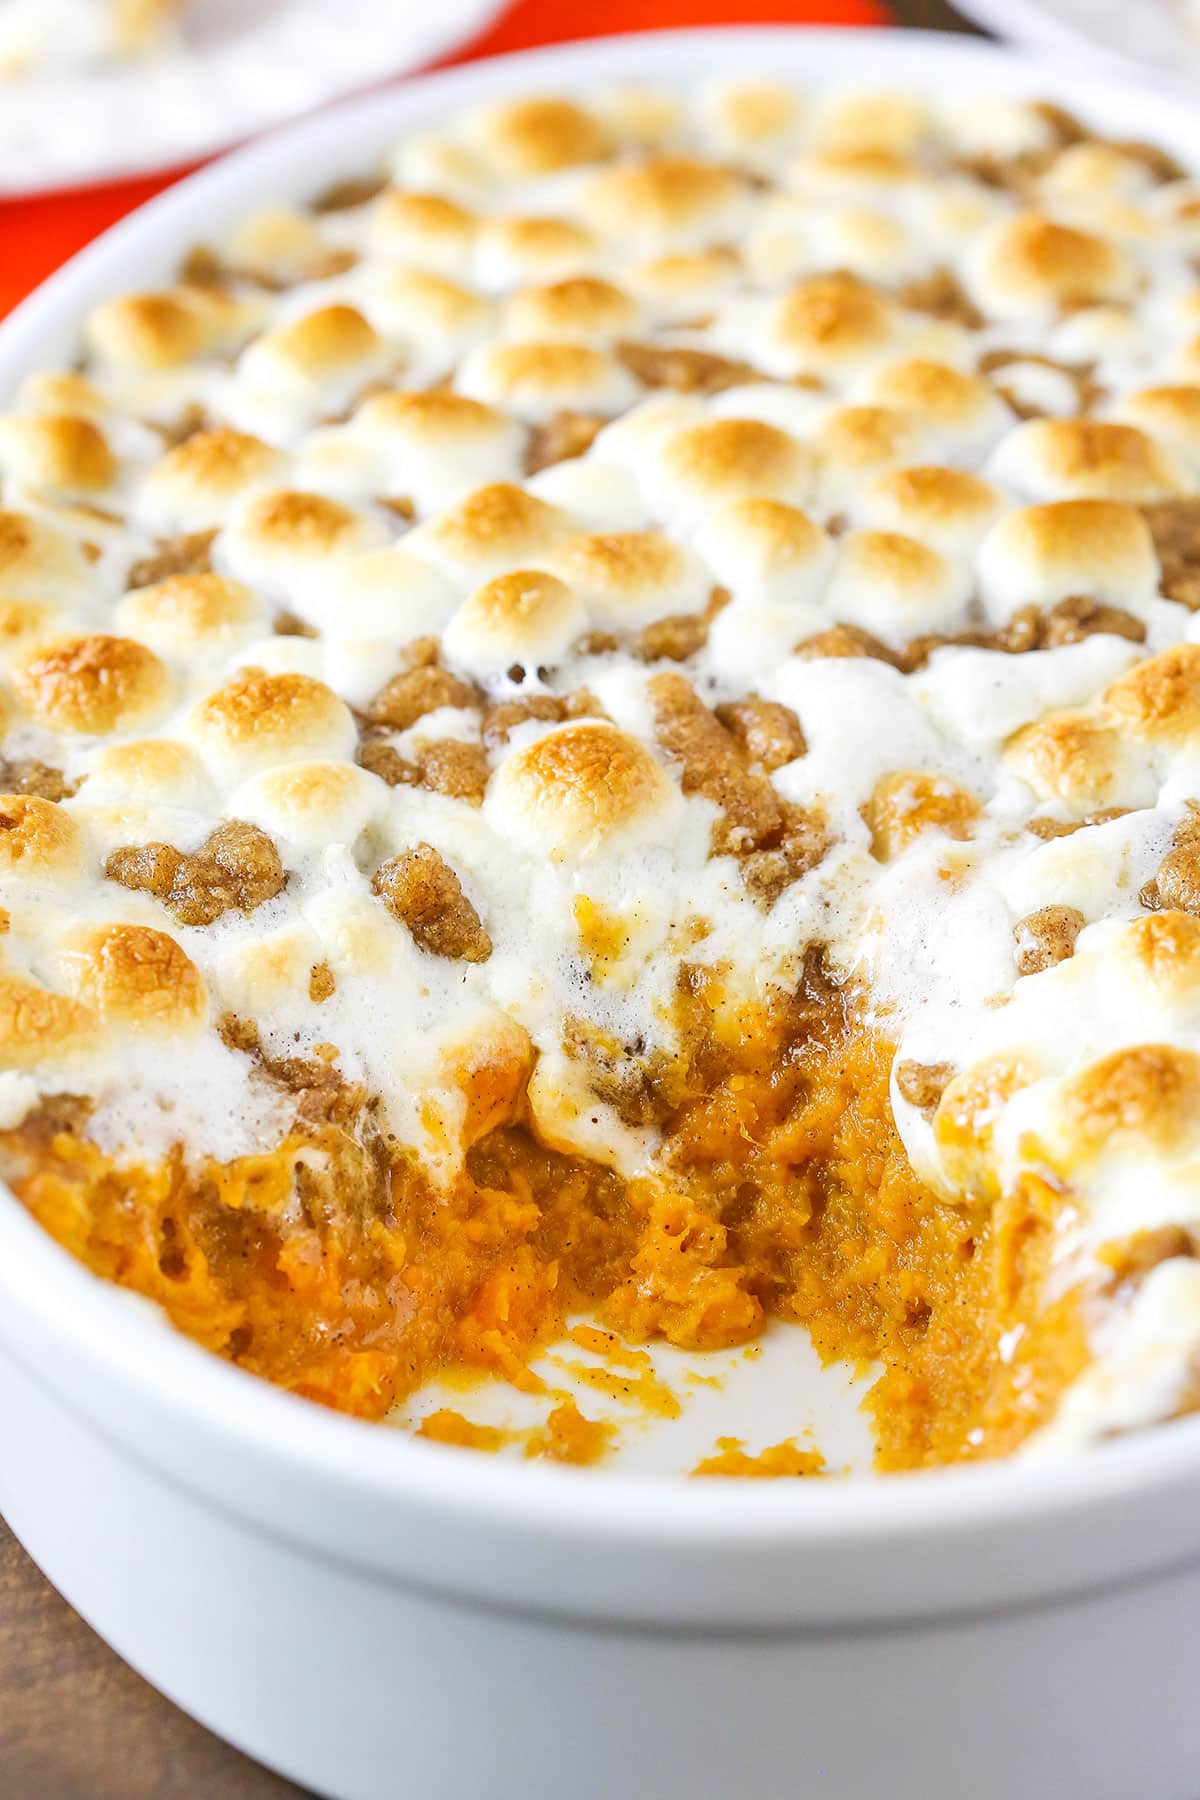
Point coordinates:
pixel 38 234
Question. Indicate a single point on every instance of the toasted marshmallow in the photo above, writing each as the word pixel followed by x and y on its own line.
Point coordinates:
pixel 579 791
pixel 1039 389
pixel 258 719
pixel 1178 200
pixel 1086 459
pixel 39 840
pixel 856 444
pixel 492 530
pixel 642 116
pixel 270 969
pixel 962 412
pixel 749 639
pixel 752 117
pixel 291 375
pixel 433 320
pixel 385 594
pixel 93 684
pixel 1171 415
pixel 317 347
pixel 1141 1099
pixel 426 231
pixel 635 440
pixel 856 176
pixel 134 977
pixel 946 215
pixel 584 309
pixel 631 578
pixel 948 509
pixel 39 562
pixel 518 248
pixel 357 935
pixel 536 136
pixel 191 613
pixel 279 243
pixel 1077 760
pixel 526 618
pixel 43 1030
pixel 600 495
pixel 792 238
pixel 860 119
pixel 664 203
pixel 282 541
pixel 764 550
pixel 997 125
pixel 1160 952
pixel 1088 170
pixel 1040 555
pixel 436 446
pixel 1099 333
pixel 867 242
pixel 150 332
pixel 1030 265
pixel 894 586
pixel 149 772
pixel 684 284
pixel 56 453
pixel 797 410
pixel 310 805
pixel 332 461
pixel 61 391
pixel 729 459
pixel 831 325
pixel 195 486
pixel 1158 701
pixel 26 625
pixel 1184 363
pixel 434 162
pixel 536 380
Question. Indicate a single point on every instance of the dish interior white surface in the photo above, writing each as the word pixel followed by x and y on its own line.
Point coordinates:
pixel 769 1392
pixel 242 66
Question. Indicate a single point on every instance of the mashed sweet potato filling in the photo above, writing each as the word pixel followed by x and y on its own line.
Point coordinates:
pixel 338 1269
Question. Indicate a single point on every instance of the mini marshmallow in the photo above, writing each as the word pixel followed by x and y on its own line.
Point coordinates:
pixel 768 551
pixel 631 578
pixel 197 485
pixel 949 509
pixel 1039 555
pixel 580 791
pixel 493 529
pixel 894 586
pixel 536 380
pixel 527 618
pixel 280 541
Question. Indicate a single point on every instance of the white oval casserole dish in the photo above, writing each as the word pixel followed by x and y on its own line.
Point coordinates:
pixel 373 1615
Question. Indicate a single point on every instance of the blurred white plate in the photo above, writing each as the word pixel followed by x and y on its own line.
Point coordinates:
pixel 1160 37
pixel 244 65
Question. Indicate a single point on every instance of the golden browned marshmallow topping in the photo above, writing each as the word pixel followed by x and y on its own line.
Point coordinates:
pixel 762 519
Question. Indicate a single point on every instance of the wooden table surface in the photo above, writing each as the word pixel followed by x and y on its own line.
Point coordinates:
pixel 75 1722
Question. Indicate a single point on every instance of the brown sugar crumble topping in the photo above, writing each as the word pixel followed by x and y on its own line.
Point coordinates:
pixel 1046 937
pixel 236 866
pixel 421 890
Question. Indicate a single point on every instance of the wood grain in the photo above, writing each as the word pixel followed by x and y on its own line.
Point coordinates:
pixel 75 1722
